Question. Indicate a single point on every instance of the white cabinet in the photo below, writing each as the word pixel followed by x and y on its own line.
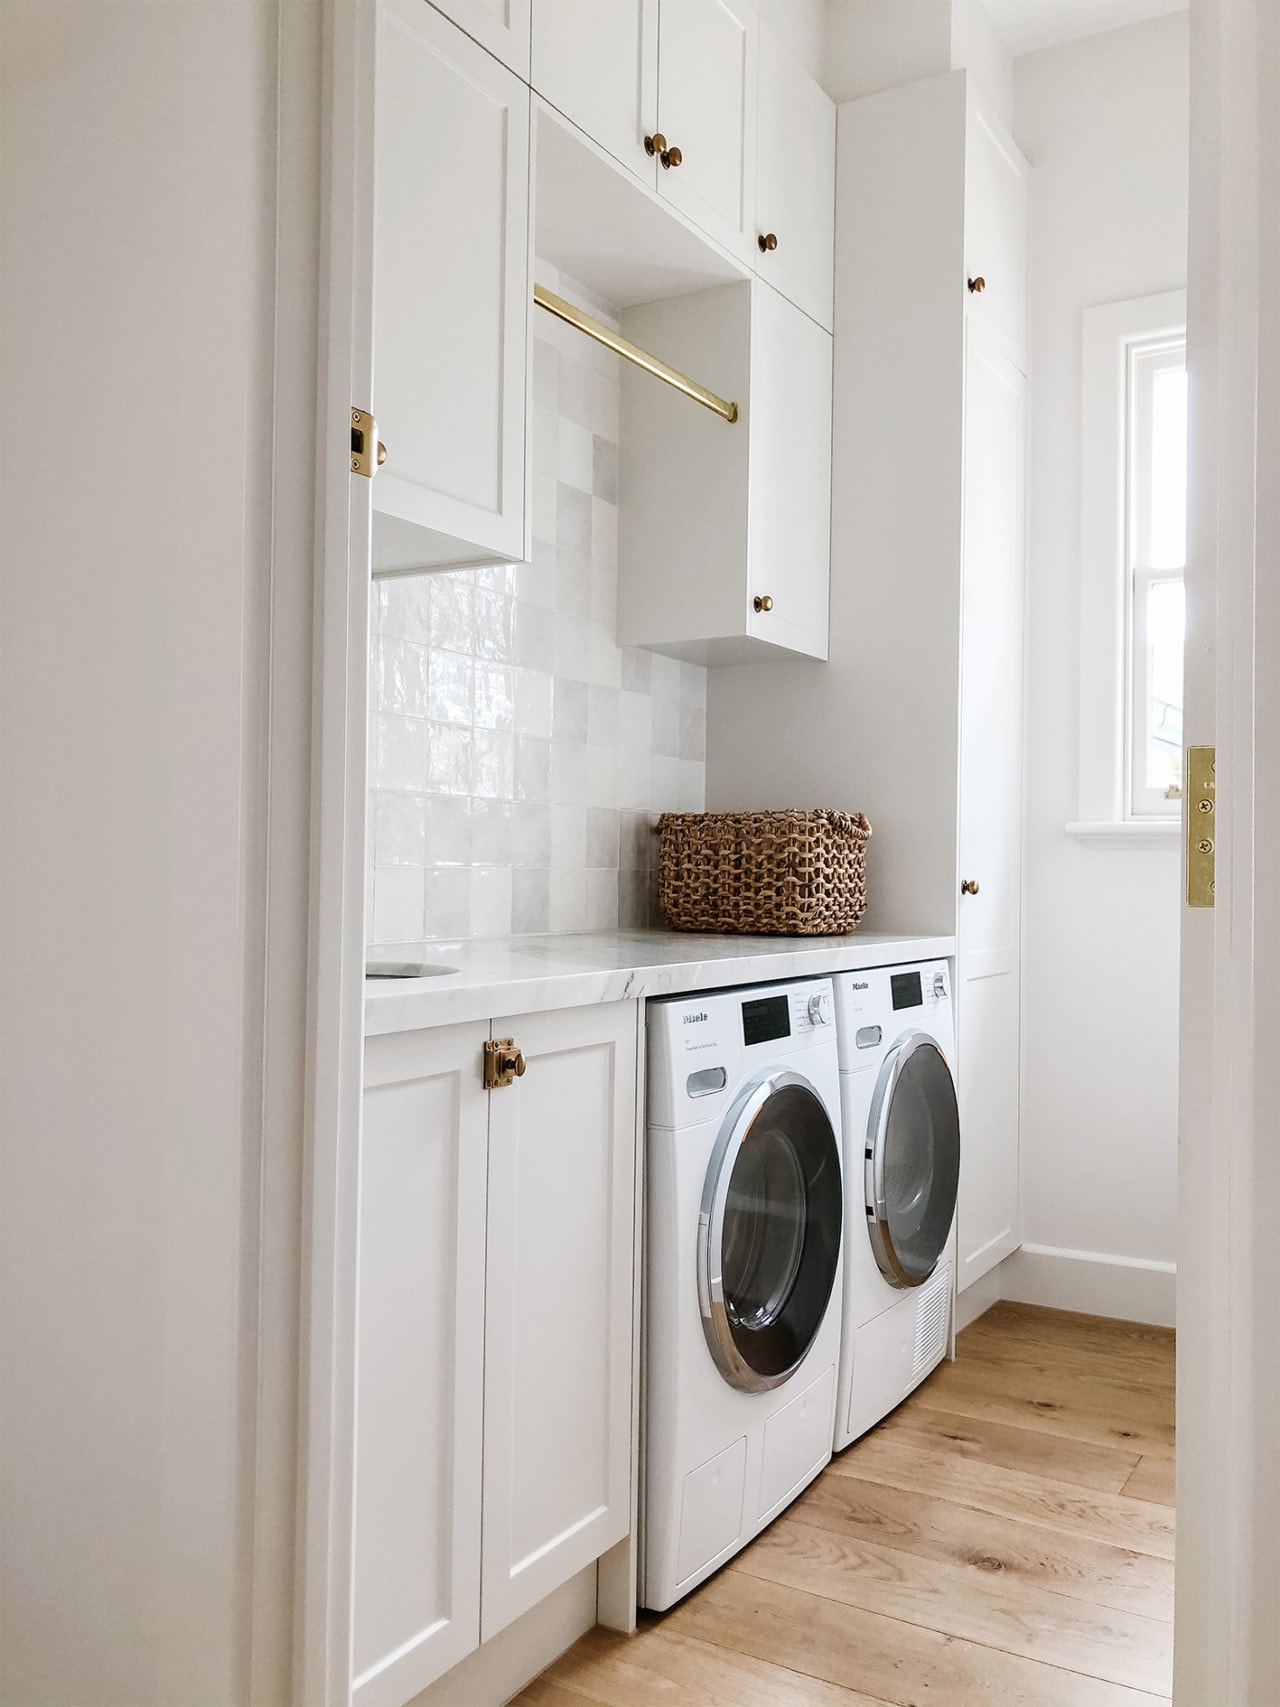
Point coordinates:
pixel 990 813
pixel 795 184
pixel 420 1361
pixel 707 103
pixel 452 295
pixel 917 718
pixel 502 26
pixel 557 1415
pixel 596 61
pixel 724 529
pixel 494 1333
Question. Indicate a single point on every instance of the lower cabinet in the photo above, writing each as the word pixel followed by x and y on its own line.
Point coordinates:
pixel 495 1332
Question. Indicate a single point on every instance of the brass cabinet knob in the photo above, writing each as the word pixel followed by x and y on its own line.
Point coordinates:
pixel 969 886
pixel 762 602
pixel 655 144
pixel 671 157
pixel 978 285
pixel 767 241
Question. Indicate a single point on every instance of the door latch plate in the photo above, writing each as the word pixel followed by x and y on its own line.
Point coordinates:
pixel 503 1063
pixel 1201 815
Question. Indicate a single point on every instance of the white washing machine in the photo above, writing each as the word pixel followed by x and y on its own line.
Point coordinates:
pixel 902 1170
pixel 744 1251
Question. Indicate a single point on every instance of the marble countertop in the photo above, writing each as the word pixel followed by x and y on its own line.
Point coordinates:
pixel 490 978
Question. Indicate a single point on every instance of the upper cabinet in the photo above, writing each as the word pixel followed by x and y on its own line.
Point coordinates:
pixel 795 184
pixel 502 26
pixel 452 283
pixel 674 90
pixel 707 106
pixel 995 234
pixel 596 61
pixel 724 543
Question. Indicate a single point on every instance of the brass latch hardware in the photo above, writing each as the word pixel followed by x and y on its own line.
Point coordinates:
pixel 367 454
pixel 503 1063
pixel 1201 812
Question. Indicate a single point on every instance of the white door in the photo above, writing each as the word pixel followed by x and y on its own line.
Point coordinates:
pixel 502 26
pixel 789 550
pixel 707 105
pixel 451 295
pixel 558 1342
pixel 419 1361
pixel 795 184
pixel 987 931
pixel 596 61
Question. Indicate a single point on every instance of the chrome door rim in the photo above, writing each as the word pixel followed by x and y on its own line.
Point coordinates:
pixel 715 1197
pixel 886 1255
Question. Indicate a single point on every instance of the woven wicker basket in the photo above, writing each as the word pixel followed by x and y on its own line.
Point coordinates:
pixel 763 873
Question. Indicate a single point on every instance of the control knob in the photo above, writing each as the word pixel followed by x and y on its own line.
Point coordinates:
pixel 820 1008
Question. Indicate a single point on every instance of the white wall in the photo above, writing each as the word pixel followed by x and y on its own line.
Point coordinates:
pixel 138 349
pixel 1104 122
pixel 870 45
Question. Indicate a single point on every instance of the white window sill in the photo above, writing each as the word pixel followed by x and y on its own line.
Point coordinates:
pixel 1133 833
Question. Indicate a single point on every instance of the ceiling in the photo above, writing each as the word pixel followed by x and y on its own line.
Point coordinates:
pixel 1027 25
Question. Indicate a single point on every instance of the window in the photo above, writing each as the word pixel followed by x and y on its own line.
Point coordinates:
pixel 1133 554
pixel 1156 482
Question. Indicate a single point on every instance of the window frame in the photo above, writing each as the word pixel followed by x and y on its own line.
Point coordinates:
pixel 1107 615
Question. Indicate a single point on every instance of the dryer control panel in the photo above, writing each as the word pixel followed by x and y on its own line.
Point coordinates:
pixel 877 1005
pixel 700 1047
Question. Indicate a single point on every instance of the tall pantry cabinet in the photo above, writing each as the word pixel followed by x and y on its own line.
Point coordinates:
pixel 917 719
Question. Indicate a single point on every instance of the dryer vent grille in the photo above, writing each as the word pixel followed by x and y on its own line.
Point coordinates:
pixel 931 1320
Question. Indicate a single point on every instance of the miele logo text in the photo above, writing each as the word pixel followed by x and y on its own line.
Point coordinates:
pixel 860 986
pixel 694 1019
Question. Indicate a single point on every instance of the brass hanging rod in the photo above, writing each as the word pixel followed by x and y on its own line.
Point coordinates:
pixel 631 352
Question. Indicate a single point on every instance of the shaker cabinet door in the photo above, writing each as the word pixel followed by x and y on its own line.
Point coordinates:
pixel 558 1343
pixel 451 295
pixel 596 61
pixel 789 550
pixel 420 1361
pixel 707 105
pixel 796 185
pixel 987 927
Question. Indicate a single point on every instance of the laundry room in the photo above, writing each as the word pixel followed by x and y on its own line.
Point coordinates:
pixel 697 816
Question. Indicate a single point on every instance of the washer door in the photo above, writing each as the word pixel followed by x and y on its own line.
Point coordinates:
pixel 769 1232
pixel 912 1160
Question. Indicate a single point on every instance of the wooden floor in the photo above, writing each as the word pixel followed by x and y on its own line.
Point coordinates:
pixel 1004 1539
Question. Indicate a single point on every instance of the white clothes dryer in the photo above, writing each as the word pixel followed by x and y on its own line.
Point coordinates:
pixel 745 1205
pixel 902 1172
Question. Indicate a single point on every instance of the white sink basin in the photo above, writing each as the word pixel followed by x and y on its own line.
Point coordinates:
pixel 407 969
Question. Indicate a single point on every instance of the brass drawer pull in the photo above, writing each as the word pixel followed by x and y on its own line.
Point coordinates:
pixel 969 886
pixel 767 241
pixel 978 285
pixel 762 602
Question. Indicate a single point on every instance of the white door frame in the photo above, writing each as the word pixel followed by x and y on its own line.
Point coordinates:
pixel 1227 1644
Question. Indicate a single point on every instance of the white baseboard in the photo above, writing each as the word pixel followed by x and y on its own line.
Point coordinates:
pixel 515 1656
pixel 1132 1289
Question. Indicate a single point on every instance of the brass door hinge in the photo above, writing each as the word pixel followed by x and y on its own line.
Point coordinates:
pixel 1201 815
pixel 367 454
pixel 503 1063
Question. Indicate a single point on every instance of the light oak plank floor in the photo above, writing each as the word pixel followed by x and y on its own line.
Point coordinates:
pixel 1004 1539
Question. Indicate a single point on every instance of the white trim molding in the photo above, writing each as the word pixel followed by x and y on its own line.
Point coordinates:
pixel 1108 333
pixel 1128 833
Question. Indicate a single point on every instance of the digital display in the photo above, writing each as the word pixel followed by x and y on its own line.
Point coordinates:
pixel 906 989
pixel 767 1018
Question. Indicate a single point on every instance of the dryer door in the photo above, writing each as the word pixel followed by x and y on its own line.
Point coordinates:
pixel 912 1160
pixel 769 1231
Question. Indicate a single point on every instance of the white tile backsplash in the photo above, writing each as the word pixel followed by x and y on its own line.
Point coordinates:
pixel 520 757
